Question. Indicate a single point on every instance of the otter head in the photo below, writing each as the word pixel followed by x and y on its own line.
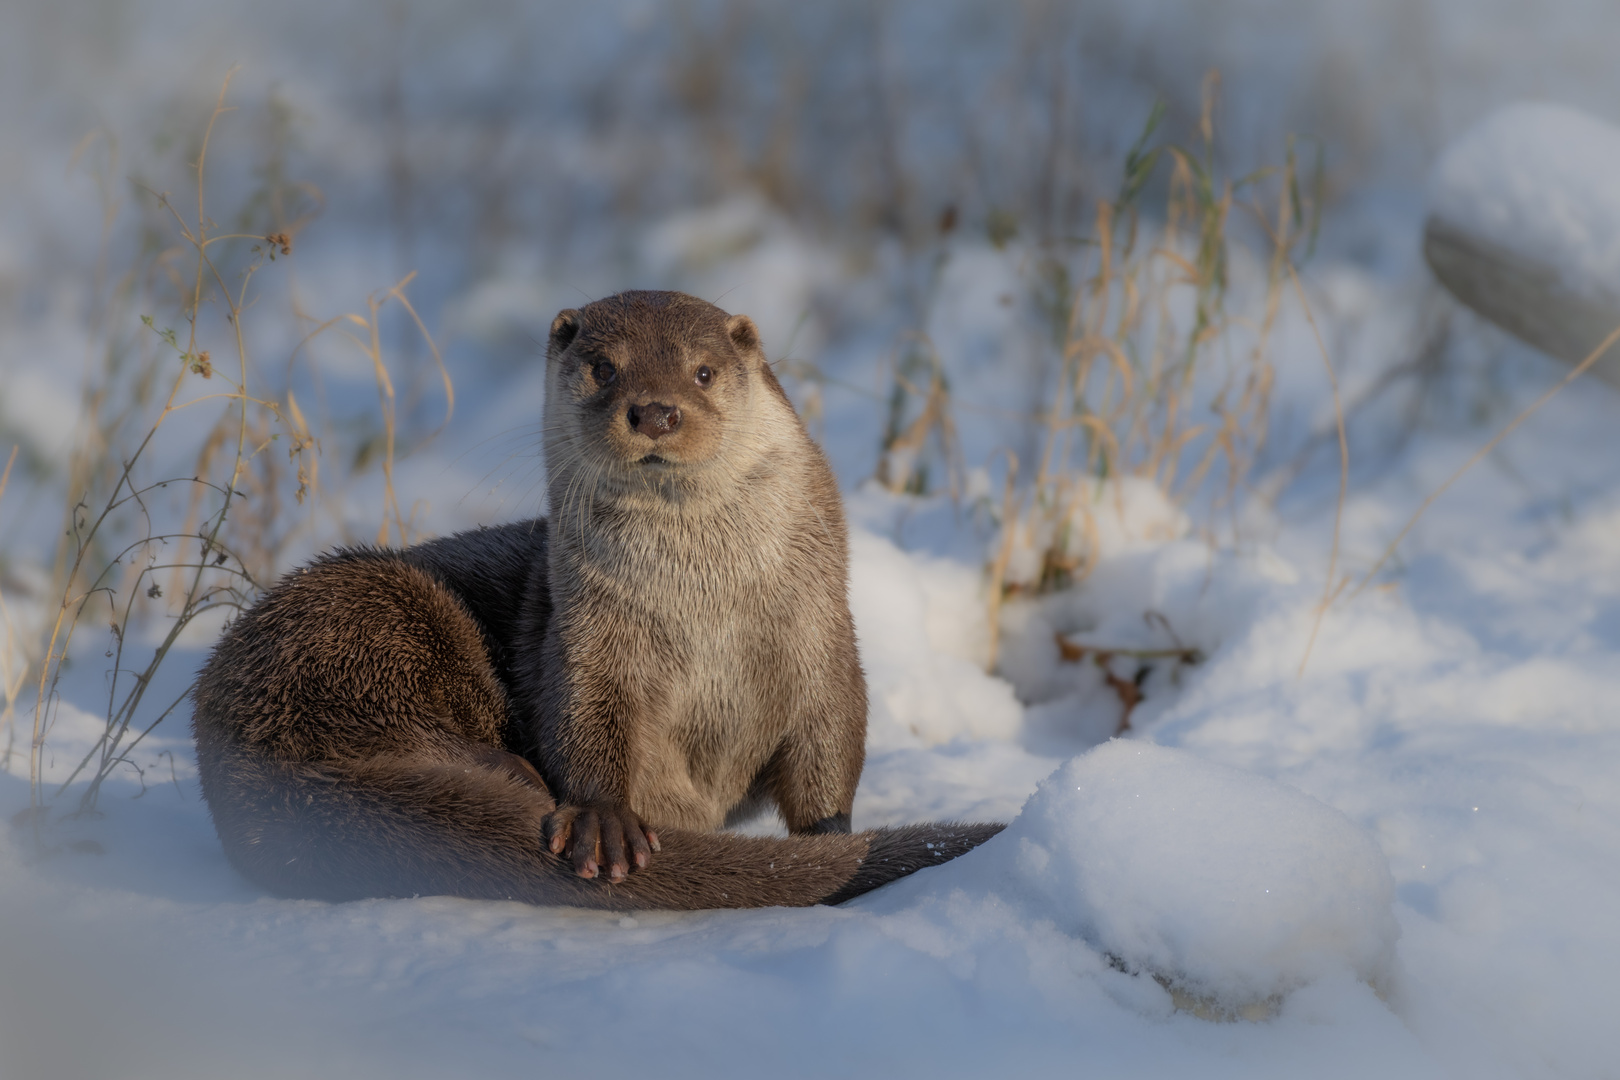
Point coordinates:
pixel 649 384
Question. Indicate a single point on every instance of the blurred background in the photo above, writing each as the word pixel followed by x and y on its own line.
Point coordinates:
pixel 912 199
pixel 793 161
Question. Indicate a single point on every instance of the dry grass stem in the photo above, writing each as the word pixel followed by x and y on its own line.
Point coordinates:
pixel 1149 384
pixel 117 548
pixel 13 661
pixel 1330 588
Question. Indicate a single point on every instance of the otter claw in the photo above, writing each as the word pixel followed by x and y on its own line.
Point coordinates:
pixel 597 838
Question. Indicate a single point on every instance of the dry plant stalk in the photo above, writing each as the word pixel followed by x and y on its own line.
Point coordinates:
pixel 1330 587
pixel 1141 393
pixel 114 550
pixel 13 661
pixel 903 465
pixel 369 341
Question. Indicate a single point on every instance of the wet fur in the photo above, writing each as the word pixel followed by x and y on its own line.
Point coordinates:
pixel 674 641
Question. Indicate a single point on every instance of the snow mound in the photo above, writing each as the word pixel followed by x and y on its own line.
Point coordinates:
pixel 924 642
pixel 1539 180
pixel 1229 885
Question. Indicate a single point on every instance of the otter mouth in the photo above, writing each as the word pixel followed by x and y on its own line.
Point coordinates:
pixel 654 459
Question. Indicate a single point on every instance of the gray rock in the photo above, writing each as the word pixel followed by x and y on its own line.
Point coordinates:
pixel 1524 297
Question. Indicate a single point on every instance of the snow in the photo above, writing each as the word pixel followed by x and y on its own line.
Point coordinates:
pixel 1404 723
pixel 1428 787
pixel 1538 179
pixel 924 638
pixel 1105 519
pixel 1230 885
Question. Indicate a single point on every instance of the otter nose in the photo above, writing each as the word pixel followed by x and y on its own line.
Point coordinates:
pixel 655 420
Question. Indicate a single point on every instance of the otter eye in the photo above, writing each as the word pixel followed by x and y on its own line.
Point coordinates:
pixel 603 372
pixel 704 375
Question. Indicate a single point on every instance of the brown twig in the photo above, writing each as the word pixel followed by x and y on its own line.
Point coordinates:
pixel 1129 691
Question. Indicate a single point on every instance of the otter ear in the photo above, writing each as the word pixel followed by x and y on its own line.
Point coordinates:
pixel 744 334
pixel 564 329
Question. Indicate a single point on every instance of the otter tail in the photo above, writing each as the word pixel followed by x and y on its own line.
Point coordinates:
pixel 451 824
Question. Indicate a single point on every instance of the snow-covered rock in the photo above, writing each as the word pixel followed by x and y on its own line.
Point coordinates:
pixel 1524 227
pixel 1540 179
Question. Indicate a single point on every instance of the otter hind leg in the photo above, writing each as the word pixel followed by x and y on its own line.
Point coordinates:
pixel 813 778
pixel 509 764
pixel 832 823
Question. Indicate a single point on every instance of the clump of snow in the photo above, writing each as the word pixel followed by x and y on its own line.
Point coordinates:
pixel 158 758
pixel 924 643
pixel 1153 617
pixel 1539 180
pixel 40 407
pixel 1226 883
pixel 1107 533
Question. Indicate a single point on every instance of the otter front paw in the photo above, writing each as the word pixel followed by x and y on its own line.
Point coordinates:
pixel 597 835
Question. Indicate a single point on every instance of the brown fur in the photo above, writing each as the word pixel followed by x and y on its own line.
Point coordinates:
pixel 671 650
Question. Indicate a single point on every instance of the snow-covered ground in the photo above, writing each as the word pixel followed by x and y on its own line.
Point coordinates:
pixel 1387 846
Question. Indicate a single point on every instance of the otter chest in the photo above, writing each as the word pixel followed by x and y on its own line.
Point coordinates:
pixel 728 689
pixel 719 652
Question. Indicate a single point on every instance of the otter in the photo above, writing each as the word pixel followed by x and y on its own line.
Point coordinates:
pixel 564 711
